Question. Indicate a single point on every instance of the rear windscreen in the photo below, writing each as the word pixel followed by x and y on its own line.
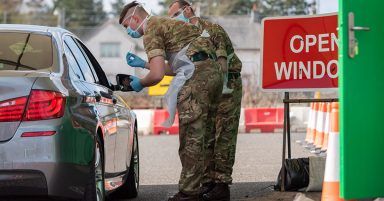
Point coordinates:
pixel 26 51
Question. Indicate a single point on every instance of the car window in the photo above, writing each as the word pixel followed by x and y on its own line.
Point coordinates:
pixel 81 60
pixel 79 45
pixel 27 51
pixel 99 71
pixel 74 69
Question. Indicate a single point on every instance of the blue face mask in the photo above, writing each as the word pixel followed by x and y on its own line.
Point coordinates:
pixel 133 33
pixel 181 17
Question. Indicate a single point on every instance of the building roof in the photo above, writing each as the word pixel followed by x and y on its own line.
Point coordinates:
pixel 244 33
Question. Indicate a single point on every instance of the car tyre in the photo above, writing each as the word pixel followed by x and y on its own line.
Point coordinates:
pixel 95 190
pixel 130 187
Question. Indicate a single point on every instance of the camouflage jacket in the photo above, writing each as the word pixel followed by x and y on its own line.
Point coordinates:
pixel 164 35
pixel 222 43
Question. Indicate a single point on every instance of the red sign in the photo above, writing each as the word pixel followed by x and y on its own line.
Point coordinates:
pixel 300 53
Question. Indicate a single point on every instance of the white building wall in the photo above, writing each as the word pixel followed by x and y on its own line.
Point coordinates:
pixel 113 65
pixel 251 63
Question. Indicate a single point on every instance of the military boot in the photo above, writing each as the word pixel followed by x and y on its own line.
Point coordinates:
pixel 183 197
pixel 206 187
pixel 219 193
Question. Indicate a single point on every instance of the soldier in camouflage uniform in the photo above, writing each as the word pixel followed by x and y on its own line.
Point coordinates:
pixel 197 100
pixel 221 147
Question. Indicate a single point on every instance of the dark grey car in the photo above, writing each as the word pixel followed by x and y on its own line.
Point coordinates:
pixel 63 131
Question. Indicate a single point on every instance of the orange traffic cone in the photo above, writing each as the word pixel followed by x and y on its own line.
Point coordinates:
pixel 320 127
pixel 311 138
pixel 331 184
pixel 324 147
pixel 309 124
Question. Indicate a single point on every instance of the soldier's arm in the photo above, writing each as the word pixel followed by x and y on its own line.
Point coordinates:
pixel 156 72
pixel 155 49
pixel 218 39
pixel 223 63
pixel 168 69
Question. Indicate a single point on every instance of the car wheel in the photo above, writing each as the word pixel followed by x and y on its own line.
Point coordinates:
pixel 131 185
pixel 95 190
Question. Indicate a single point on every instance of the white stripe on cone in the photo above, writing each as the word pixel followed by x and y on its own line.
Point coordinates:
pixel 314 123
pixel 327 129
pixel 332 167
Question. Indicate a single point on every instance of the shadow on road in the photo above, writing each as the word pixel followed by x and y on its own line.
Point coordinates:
pixel 249 191
pixel 239 191
pixel 252 191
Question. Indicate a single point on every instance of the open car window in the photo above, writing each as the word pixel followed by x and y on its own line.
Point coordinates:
pixel 103 80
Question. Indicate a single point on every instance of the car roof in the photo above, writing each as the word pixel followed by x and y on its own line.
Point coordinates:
pixel 32 28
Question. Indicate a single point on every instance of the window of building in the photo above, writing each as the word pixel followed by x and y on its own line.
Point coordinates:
pixel 110 49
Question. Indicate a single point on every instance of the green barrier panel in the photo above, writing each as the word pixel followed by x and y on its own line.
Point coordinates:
pixel 362 96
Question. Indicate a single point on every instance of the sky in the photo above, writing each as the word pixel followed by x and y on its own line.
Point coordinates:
pixel 326 6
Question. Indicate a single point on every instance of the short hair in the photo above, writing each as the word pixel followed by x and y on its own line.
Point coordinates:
pixel 125 10
pixel 182 3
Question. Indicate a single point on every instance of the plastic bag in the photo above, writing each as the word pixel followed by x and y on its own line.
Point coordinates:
pixel 184 68
pixel 296 174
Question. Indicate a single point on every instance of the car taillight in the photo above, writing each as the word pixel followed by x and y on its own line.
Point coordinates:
pixel 44 105
pixel 12 110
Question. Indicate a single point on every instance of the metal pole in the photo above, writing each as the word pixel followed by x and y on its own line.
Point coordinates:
pixel 311 100
pixel 5 14
pixel 283 170
pixel 62 11
pixel 317 6
pixel 61 18
pixel 288 124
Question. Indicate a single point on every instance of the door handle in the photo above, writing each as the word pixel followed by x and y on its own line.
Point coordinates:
pixel 361 29
pixel 352 41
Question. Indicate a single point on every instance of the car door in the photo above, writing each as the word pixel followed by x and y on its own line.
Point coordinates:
pixel 82 123
pixel 104 104
pixel 125 136
pixel 123 118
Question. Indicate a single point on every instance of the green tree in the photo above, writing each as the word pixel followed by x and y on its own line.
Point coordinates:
pixel 286 7
pixel 26 12
pixel 38 13
pixel 243 7
pixel 81 14
pixel 8 9
pixel 117 7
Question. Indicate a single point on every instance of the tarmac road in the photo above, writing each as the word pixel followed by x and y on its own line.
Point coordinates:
pixel 258 162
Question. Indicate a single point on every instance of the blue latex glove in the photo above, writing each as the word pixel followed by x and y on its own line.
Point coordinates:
pixel 135 83
pixel 134 60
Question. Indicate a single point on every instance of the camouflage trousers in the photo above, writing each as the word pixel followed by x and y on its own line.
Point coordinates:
pixel 221 146
pixel 197 106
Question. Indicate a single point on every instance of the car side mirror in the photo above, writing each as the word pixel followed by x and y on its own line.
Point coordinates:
pixel 123 83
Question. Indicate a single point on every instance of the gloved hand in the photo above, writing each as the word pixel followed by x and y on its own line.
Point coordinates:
pixel 226 90
pixel 135 83
pixel 134 61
